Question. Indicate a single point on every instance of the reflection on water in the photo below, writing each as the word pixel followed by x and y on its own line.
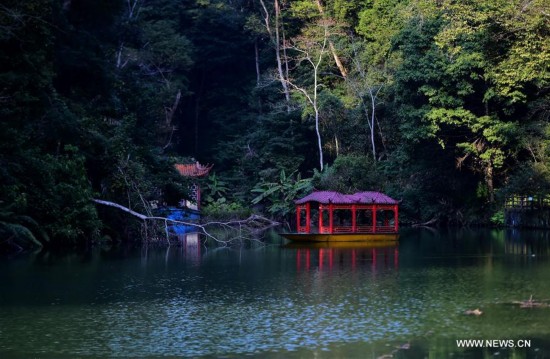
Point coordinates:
pixel 191 245
pixel 321 256
pixel 400 300
pixel 527 242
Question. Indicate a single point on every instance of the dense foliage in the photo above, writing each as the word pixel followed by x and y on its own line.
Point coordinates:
pixel 442 104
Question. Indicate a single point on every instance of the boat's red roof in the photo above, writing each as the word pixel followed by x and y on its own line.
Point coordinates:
pixel 327 197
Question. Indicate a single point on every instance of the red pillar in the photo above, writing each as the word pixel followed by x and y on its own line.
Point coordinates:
pixel 353 219
pixel 298 218
pixel 308 217
pixel 320 218
pixel 330 218
pixel 396 218
pixel 374 218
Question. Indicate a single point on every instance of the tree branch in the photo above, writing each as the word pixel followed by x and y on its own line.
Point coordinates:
pixel 252 222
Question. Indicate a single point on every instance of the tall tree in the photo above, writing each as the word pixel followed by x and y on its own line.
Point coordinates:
pixel 43 175
pixel 311 68
pixel 274 29
pixel 480 41
pixel 311 48
pixel 372 61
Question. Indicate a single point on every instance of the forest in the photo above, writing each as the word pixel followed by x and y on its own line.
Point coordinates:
pixel 441 104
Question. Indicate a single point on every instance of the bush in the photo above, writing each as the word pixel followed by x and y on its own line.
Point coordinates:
pixel 225 211
pixel 350 173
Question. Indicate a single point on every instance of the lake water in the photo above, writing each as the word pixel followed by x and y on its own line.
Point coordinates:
pixel 275 301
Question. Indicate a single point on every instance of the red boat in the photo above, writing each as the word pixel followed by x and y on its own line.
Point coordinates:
pixel 328 216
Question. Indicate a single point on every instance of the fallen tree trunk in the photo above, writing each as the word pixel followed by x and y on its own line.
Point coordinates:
pixel 125 209
pixel 254 222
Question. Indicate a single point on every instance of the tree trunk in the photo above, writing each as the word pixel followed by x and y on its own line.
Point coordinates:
pixel 489 181
pixel 132 5
pixel 282 77
pixel 257 60
pixel 170 118
pixel 319 144
pixel 337 60
pixel 314 56
pixel 277 42
pixel 314 103
pixel 341 67
pixel 372 126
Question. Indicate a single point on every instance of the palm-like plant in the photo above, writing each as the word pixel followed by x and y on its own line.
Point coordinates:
pixel 216 189
pixel 279 195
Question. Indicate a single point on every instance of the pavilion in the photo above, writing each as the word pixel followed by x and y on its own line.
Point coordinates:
pixel 333 216
pixel 194 170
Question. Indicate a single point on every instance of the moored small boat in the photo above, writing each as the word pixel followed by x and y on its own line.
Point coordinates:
pixel 328 216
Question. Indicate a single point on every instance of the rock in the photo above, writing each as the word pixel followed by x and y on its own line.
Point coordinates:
pixel 476 312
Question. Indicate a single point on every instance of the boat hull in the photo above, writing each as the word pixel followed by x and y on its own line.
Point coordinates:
pixel 341 237
pixel 342 245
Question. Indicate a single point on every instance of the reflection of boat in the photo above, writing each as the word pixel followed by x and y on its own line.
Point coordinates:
pixel 345 254
pixel 327 216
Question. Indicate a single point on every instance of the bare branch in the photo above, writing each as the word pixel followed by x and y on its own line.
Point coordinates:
pixel 266 18
pixel 311 49
pixel 132 8
pixel 252 222
pixel 277 42
pixel 125 209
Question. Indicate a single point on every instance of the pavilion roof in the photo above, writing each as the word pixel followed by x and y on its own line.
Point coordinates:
pixel 326 197
pixel 193 169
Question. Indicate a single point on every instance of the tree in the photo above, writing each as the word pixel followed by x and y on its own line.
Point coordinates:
pixel 310 48
pixel 366 86
pixel 372 61
pixel 422 172
pixel 274 32
pixel 481 42
pixel 43 180
pixel 515 35
pixel 333 51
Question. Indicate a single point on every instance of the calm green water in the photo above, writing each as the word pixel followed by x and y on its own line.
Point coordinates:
pixel 273 301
